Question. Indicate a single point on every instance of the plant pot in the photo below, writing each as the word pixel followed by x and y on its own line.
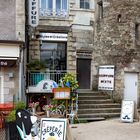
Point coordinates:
pixel 48 113
pixel 34 111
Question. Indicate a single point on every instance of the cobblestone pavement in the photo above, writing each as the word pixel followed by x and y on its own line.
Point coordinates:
pixel 112 129
pixel 2 134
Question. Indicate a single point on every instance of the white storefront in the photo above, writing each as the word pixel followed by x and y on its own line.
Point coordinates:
pixel 10 71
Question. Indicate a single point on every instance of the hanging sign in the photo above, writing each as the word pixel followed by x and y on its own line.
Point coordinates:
pixel 33 13
pixel 106 77
pixel 53 36
pixel 53 129
pixel 127 111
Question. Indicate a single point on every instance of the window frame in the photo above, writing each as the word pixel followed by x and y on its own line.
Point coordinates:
pixel 137 33
pixel 55 11
pixel 84 4
pixel 54 51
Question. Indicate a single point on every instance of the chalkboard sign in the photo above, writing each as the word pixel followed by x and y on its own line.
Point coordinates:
pixel 127 111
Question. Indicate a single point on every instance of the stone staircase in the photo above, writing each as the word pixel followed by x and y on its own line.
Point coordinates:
pixel 95 105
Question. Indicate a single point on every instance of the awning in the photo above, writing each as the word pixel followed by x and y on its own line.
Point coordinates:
pixel 9 50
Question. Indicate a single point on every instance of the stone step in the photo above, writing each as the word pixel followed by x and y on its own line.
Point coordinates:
pixel 94 101
pixel 84 106
pixel 92 94
pixel 95 115
pixel 92 119
pixel 88 91
pixel 94 105
pixel 92 97
pixel 103 110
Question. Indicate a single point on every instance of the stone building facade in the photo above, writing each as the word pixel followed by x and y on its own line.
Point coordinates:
pixel 74 22
pixel 63 40
pixel 12 37
pixel 116 42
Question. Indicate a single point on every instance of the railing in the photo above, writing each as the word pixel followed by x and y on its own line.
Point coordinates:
pixel 35 77
pixel 53 13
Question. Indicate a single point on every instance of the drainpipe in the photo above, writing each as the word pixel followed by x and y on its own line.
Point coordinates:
pixel 2 87
pixel 20 75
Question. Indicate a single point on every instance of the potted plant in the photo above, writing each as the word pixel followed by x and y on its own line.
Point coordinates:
pixel 33 106
pixel 10 122
pixel 35 67
pixel 69 80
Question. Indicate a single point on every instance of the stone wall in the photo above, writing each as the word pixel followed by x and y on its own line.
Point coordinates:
pixel 115 38
pixel 12 29
pixel 7 19
pixel 9 84
pixel 79 40
pixel 20 20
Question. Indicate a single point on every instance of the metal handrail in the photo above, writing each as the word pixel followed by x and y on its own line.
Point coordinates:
pixel 36 76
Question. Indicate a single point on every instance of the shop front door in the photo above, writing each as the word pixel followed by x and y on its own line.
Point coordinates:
pixel 83 73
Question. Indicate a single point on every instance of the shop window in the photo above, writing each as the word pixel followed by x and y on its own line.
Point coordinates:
pixel 53 7
pixel 54 55
pixel 85 4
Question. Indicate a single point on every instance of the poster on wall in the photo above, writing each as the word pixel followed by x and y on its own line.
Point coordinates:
pixel 127 111
pixel 53 129
pixel 106 77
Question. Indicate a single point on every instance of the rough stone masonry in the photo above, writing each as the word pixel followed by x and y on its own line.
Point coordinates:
pixel 117 38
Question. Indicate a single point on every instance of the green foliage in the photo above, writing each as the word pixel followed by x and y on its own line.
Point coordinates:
pixel 36 65
pixel 12 115
pixel 20 105
pixel 68 77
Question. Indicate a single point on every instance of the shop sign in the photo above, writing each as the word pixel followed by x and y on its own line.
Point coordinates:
pixel 53 36
pixel 106 77
pixel 7 63
pixel 33 13
pixel 53 129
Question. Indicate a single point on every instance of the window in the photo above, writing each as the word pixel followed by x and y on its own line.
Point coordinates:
pixel 53 7
pixel 84 4
pixel 137 33
pixel 119 18
pixel 54 54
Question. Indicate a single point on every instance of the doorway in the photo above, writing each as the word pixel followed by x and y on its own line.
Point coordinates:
pixel 83 73
pixel 131 87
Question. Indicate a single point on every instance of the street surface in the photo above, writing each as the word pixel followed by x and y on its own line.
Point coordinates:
pixel 112 129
